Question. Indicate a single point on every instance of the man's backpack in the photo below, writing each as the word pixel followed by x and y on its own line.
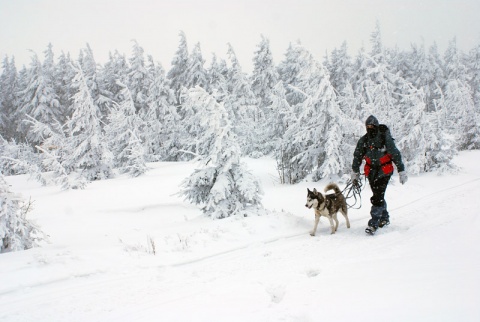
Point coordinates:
pixel 384 130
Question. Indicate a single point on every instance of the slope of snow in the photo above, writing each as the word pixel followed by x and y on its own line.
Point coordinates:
pixel 132 250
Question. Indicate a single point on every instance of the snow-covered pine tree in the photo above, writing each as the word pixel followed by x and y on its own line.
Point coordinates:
pixel 264 77
pixel 283 116
pixel 340 68
pixel 196 75
pixel 63 76
pixel 474 71
pixel 442 145
pixel 177 74
pixel 313 142
pixel 288 70
pixel 16 231
pixel 240 104
pixel 122 134
pixel 115 69
pixel 348 102
pixel 437 77
pixel 222 185
pixel 20 159
pixel 359 81
pixel 380 86
pixel 38 99
pixel 53 151
pixel 460 111
pixel 88 148
pixel 89 69
pixel 459 104
pixel 138 78
pixel 413 142
pixel 160 119
pixel 8 99
pixel 217 81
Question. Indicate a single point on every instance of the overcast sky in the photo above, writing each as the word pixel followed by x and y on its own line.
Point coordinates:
pixel 321 25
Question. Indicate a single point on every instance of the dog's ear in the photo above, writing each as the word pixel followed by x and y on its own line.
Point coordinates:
pixel 308 190
pixel 314 190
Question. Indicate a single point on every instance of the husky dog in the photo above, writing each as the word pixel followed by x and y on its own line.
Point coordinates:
pixel 328 206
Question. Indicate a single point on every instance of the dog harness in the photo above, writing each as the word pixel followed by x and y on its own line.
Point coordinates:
pixel 326 204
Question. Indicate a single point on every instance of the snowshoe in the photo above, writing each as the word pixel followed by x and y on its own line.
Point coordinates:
pixel 370 230
pixel 384 223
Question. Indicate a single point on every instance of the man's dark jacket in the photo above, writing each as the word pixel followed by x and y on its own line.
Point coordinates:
pixel 378 151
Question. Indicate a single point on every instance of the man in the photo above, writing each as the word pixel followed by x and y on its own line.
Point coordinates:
pixel 379 151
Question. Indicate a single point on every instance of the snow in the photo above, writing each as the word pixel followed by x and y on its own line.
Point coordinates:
pixel 99 263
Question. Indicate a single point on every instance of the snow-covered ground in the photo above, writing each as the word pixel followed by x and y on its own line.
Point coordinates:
pixel 131 250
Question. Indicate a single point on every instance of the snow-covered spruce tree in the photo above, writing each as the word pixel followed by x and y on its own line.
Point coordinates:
pixel 8 98
pixel 16 231
pixel 241 105
pixel 88 149
pixel 101 97
pixel 63 76
pixel 474 71
pixel 340 68
pixel 38 99
pixel 314 141
pixel 264 77
pixel 177 74
pixel 122 134
pixel 160 119
pixel 282 118
pixel 418 68
pixel 442 146
pixel 115 69
pixel 413 142
pixel 53 151
pixel 379 86
pixel 359 81
pixel 222 185
pixel 436 77
pixel 217 79
pixel 138 78
pixel 288 70
pixel 196 75
pixel 348 102
pixel 20 158
pixel 460 110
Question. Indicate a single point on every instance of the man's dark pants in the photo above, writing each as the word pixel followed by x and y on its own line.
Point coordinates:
pixel 379 206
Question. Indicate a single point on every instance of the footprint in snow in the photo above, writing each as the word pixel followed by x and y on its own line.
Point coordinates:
pixel 276 293
pixel 313 272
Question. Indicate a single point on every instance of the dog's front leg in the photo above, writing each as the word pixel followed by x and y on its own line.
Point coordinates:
pixel 314 231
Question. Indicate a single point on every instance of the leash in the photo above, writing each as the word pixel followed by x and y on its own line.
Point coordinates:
pixel 353 190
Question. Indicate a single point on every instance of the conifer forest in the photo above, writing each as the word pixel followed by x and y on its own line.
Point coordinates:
pixel 85 121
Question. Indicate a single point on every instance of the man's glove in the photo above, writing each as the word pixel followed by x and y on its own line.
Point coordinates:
pixel 355 176
pixel 403 177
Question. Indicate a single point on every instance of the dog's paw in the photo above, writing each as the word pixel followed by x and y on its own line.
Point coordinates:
pixel 312 233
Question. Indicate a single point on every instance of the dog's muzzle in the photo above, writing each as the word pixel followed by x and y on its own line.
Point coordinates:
pixel 309 207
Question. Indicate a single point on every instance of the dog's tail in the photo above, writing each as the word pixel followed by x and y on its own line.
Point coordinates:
pixel 332 186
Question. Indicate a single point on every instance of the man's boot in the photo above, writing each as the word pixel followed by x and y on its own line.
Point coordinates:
pixel 376 213
pixel 385 220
